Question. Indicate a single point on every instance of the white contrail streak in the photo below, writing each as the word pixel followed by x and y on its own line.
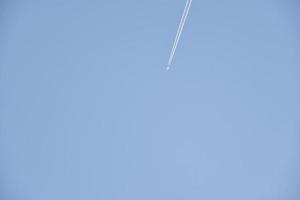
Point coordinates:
pixel 179 28
pixel 179 31
pixel 185 14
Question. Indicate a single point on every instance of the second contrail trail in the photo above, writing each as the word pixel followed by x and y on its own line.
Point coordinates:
pixel 179 31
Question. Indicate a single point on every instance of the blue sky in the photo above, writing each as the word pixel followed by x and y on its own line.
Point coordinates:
pixel 88 110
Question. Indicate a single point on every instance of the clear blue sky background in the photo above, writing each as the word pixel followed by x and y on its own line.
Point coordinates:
pixel 88 110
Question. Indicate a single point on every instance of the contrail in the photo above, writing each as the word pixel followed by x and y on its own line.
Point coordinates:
pixel 184 15
pixel 179 31
pixel 179 28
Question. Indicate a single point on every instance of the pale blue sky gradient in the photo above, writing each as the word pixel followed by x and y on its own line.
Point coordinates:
pixel 88 111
